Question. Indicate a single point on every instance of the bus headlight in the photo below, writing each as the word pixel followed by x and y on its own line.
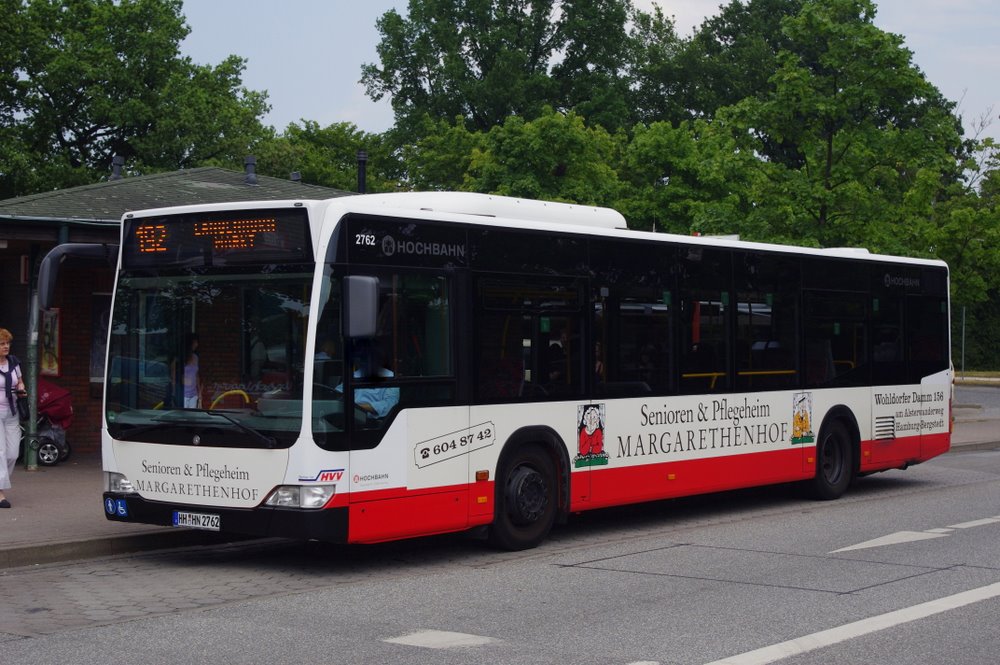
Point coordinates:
pixel 301 496
pixel 117 482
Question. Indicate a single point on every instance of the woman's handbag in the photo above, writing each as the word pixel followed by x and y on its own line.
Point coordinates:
pixel 23 409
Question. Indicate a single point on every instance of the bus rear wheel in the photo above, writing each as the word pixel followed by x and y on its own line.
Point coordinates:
pixel 526 499
pixel 834 462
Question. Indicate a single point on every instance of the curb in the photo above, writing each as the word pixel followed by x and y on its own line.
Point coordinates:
pixel 34 555
pixel 971 447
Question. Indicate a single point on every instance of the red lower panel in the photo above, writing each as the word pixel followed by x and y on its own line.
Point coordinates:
pixel 932 445
pixel 616 486
pixel 397 513
pixel 880 455
pixel 891 451
pixel 408 516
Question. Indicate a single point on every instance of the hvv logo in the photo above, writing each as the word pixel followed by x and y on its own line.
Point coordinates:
pixel 324 476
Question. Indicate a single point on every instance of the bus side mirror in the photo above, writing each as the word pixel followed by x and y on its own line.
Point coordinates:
pixel 360 306
pixel 48 271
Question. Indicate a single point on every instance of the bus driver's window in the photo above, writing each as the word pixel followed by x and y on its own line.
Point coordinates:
pixel 374 400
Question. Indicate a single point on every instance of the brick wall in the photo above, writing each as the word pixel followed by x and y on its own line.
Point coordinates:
pixel 75 298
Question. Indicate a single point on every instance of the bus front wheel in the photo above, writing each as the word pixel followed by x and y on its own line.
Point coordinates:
pixel 834 462
pixel 526 499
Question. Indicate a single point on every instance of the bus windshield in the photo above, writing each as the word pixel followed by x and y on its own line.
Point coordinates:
pixel 208 357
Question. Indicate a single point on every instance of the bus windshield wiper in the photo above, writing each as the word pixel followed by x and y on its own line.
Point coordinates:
pixel 268 441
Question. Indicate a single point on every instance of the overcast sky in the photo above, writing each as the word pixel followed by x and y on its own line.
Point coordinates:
pixel 307 54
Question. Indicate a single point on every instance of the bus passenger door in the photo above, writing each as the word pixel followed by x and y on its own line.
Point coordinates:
pixel 410 436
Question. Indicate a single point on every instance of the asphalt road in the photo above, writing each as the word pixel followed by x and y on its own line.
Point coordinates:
pixel 904 569
pixel 986 398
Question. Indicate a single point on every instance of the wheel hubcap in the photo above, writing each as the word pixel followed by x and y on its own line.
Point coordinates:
pixel 833 461
pixel 526 495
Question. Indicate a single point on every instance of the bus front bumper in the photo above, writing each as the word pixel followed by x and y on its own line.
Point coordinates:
pixel 327 525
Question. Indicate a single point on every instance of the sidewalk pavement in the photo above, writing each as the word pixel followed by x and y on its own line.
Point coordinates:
pixel 58 513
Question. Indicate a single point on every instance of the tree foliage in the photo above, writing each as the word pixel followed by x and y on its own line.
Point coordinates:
pixel 555 157
pixel 791 121
pixel 328 156
pixel 731 57
pixel 845 139
pixel 96 78
pixel 487 60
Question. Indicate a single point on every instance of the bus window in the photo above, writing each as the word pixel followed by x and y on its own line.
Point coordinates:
pixel 888 365
pixel 927 342
pixel 766 322
pixel 408 363
pixel 273 339
pixel 835 331
pixel 633 341
pixel 704 321
pixel 251 329
pixel 529 340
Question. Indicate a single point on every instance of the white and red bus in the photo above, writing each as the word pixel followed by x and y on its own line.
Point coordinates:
pixel 387 366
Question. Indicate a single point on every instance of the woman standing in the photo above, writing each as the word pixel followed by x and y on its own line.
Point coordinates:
pixel 187 375
pixel 11 382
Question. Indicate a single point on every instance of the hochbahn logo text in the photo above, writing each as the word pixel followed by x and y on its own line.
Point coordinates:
pixel 391 246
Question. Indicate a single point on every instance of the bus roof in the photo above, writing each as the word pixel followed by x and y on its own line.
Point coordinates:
pixel 551 216
pixel 505 207
pixel 488 209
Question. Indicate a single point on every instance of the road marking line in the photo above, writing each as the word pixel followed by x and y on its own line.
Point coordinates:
pixel 892 539
pixel 913 536
pixel 850 631
pixel 440 639
pixel 982 522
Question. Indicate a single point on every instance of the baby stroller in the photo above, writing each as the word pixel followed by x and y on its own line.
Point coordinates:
pixel 55 414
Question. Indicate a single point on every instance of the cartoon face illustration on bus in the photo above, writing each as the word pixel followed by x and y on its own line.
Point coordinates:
pixel 802 418
pixel 590 429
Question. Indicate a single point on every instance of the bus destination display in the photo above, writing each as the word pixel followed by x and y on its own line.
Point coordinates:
pixel 244 237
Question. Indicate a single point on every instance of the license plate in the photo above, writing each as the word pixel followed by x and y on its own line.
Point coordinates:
pixel 197 520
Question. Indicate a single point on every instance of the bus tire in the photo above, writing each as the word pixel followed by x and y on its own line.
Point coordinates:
pixel 834 462
pixel 526 499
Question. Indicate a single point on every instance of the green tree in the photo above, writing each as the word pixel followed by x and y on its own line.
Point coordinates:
pixel 658 75
pixel 202 116
pixel 594 73
pixel 729 58
pixel 967 235
pixel 14 162
pixel 96 78
pixel 487 60
pixel 965 218
pixel 684 179
pixel 554 157
pixel 850 129
pixel 328 156
pixel 478 60
pixel 441 158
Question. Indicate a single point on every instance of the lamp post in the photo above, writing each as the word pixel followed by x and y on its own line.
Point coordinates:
pixel 362 167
